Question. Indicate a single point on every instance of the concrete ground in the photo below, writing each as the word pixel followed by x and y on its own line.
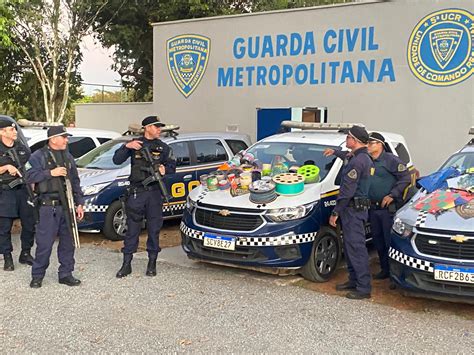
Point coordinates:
pixel 194 307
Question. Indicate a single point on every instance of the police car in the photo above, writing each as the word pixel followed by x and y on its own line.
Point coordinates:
pixel 290 234
pixel 432 254
pixel 103 182
pixel 81 141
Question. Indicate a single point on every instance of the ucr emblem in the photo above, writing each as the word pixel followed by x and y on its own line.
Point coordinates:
pixel 187 61
pixel 440 48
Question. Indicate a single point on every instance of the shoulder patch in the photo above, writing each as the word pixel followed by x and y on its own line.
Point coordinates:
pixel 401 167
pixel 352 174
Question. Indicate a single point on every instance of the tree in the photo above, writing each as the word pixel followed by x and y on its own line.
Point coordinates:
pixel 48 33
pixel 132 34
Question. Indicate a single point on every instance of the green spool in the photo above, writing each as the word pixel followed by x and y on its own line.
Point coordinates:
pixel 310 173
pixel 289 184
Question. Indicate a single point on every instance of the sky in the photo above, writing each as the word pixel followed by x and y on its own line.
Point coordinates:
pixel 95 67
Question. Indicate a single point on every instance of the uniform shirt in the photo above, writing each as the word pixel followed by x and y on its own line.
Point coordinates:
pixel 355 177
pixel 160 151
pixel 23 153
pixel 39 172
pixel 391 177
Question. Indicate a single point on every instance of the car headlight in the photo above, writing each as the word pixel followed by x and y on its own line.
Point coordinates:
pixel 94 189
pixel 403 229
pixel 190 204
pixel 289 213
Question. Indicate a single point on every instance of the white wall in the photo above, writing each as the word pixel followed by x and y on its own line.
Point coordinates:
pixel 434 120
pixel 112 116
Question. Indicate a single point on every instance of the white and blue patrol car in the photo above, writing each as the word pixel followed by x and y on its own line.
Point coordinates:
pixel 103 182
pixel 290 234
pixel 432 255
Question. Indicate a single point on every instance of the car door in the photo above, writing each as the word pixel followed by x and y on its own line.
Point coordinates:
pixel 179 183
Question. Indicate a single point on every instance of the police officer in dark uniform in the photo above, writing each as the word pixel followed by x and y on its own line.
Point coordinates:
pixel 387 186
pixel 352 206
pixel 14 197
pixel 50 166
pixel 144 201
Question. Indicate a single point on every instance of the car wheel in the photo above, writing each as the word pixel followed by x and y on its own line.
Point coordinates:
pixel 115 224
pixel 325 256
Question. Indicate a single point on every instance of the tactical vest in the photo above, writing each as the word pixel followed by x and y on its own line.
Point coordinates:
pixel 139 163
pixel 5 159
pixel 49 186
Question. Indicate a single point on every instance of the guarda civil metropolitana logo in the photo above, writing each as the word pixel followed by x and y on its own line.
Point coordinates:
pixel 187 57
pixel 440 49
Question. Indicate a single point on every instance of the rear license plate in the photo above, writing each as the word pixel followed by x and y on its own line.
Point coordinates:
pixel 219 242
pixel 454 274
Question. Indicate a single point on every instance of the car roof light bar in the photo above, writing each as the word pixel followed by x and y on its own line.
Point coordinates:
pixel 471 130
pixel 168 130
pixel 27 123
pixel 319 126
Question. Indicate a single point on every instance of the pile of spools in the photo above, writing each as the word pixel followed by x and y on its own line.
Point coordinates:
pixel 263 182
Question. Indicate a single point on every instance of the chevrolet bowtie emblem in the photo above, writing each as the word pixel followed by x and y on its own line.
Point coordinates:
pixel 458 238
pixel 224 213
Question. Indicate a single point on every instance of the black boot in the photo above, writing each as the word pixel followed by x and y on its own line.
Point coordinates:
pixel 151 267
pixel 26 258
pixel 36 282
pixel 8 262
pixel 126 268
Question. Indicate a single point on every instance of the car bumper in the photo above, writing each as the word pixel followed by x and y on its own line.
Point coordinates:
pixel 282 245
pixel 414 274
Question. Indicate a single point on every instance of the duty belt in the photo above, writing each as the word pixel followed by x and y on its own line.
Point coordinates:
pixel 7 187
pixel 50 203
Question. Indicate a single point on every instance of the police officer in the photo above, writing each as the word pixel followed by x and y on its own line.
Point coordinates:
pixel 388 184
pixel 144 201
pixel 50 166
pixel 352 207
pixel 14 197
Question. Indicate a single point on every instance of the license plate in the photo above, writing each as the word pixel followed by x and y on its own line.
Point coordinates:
pixel 219 242
pixel 454 274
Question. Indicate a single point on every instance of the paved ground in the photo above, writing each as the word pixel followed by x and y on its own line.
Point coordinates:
pixel 199 308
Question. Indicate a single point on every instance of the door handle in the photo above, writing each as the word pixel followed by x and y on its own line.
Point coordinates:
pixel 187 177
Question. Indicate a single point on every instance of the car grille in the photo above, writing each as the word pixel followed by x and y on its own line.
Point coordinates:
pixel 233 222
pixel 443 246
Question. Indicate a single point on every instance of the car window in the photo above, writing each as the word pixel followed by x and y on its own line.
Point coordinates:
pixel 209 150
pixel 402 152
pixel 78 146
pixel 236 145
pixel 103 140
pixel 101 157
pixel 462 161
pixel 181 153
pixel 38 145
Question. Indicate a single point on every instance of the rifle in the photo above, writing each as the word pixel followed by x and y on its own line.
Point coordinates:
pixel 32 198
pixel 67 200
pixel 155 176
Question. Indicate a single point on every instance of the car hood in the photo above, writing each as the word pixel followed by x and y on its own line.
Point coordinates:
pixel 458 219
pixel 223 199
pixel 90 177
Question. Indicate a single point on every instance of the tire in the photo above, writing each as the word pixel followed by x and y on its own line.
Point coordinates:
pixel 115 224
pixel 325 256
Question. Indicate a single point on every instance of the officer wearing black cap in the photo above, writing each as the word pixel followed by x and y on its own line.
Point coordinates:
pixel 352 207
pixel 50 166
pixel 144 200
pixel 14 197
pixel 387 187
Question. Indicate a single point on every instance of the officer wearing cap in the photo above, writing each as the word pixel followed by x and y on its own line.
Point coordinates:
pixel 144 200
pixel 50 166
pixel 352 207
pixel 14 197
pixel 387 186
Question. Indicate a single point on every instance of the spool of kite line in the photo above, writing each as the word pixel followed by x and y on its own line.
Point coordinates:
pixel 224 185
pixel 262 192
pixel 289 184
pixel 212 183
pixel 245 179
pixel 310 173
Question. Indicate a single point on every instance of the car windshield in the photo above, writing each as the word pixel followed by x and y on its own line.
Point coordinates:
pixel 101 157
pixel 293 154
pixel 461 161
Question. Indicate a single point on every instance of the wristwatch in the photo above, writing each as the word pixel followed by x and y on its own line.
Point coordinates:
pixel 334 214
